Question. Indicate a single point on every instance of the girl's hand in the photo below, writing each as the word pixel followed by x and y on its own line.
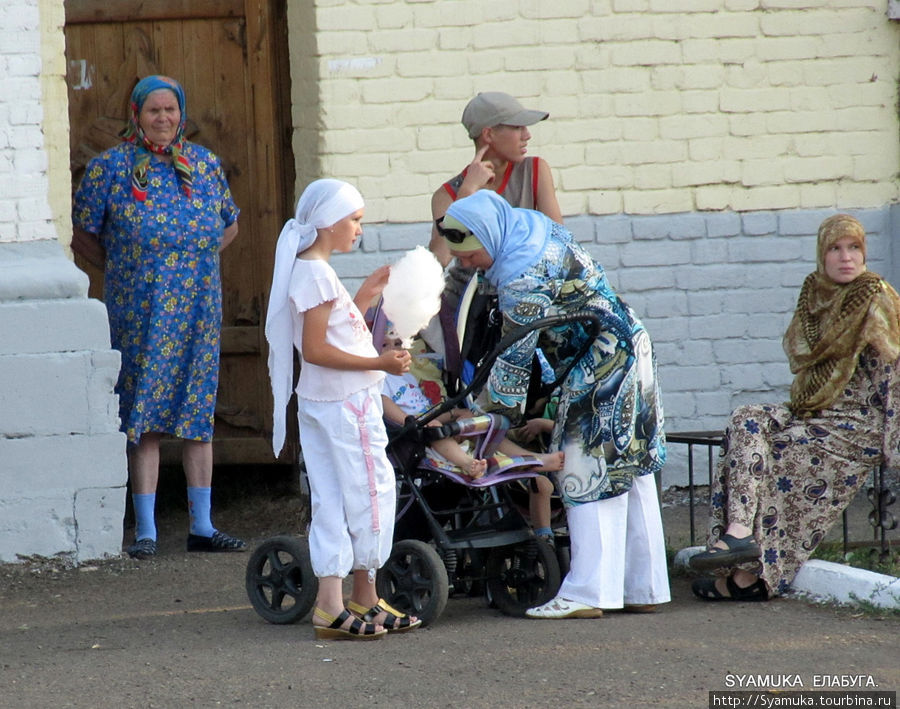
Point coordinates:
pixel 394 361
pixel 379 278
pixel 372 287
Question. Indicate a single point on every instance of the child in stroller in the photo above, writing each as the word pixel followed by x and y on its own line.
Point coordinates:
pixel 464 338
pixel 402 396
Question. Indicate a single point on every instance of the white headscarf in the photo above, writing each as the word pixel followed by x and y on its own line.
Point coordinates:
pixel 322 204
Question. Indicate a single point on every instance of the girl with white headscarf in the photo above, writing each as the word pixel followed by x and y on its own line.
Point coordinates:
pixel 342 434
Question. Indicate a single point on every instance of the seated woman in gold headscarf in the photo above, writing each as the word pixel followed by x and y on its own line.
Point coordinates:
pixel 786 472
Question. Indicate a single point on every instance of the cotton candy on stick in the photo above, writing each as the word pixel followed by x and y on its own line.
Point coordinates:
pixel 412 295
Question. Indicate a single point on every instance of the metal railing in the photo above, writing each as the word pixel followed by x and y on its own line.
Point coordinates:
pixel 879 494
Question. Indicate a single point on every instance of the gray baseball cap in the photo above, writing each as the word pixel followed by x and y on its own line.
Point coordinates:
pixel 491 108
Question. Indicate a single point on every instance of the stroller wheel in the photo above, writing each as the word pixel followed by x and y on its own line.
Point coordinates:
pixel 414 580
pixel 280 581
pixel 522 576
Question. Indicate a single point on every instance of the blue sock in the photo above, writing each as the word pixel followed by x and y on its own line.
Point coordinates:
pixel 543 532
pixel 144 520
pixel 199 502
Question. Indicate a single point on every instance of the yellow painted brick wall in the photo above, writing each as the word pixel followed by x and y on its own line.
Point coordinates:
pixel 656 106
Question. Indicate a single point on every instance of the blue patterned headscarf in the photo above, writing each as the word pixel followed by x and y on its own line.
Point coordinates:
pixel 513 237
pixel 134 134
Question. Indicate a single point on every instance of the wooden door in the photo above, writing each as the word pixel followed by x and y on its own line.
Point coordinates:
pixel 231 57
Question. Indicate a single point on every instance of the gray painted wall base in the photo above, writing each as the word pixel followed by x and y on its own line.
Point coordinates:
pixel 716 291
pixel 63 469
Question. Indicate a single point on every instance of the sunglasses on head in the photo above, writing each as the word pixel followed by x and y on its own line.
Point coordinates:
pixel 454 236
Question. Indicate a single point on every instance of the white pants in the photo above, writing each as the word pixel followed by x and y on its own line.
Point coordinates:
pixel 618 550
pixel 352 487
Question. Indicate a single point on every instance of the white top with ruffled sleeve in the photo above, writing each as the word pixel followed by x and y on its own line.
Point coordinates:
pixel 314 282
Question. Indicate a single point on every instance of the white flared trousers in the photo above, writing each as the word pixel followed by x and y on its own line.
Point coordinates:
pixel 351 482
pixel 618 550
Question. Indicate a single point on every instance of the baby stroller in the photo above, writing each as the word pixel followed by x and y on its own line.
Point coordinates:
pixel 451 533
pixel 470 333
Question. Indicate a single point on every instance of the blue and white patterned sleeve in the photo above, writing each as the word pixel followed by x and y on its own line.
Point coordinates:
pixel 522 301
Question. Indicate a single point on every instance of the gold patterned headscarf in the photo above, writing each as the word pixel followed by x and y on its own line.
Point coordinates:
pixel 834 322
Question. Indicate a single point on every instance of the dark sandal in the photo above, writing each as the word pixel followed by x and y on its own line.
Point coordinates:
pixel 219 541
pixel 394 621
pixel 358 630
pixel 739 551
pixel 705 589
pixel 142 549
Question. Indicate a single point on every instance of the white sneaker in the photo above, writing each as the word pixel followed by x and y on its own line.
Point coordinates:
pixel 563 608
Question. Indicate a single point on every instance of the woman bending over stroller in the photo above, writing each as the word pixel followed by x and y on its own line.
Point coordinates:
pixel 609 422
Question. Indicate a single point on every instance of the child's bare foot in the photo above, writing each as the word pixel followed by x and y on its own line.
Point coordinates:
pixel 551 462
pixel 476 468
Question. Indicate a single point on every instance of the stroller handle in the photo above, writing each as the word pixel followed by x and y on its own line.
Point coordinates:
pixel 589 319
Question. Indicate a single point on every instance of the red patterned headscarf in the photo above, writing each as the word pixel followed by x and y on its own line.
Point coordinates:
pixel 143 146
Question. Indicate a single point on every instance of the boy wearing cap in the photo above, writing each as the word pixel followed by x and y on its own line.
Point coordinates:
pixel 498 124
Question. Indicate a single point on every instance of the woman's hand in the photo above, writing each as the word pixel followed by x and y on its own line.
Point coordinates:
pixel 231 231
pixel 394 361
pixel 89 247
pixel 533 428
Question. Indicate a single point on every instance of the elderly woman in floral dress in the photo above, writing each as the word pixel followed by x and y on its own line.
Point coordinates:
pixel 154 212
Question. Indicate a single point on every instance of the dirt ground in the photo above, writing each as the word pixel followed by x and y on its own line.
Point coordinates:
pixel 178 631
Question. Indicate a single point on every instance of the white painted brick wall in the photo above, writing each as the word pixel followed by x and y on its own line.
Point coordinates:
pixel 62 458
pixel 59 418
pixel 24 209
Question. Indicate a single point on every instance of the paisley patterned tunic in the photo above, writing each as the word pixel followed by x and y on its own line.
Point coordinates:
pixel 788 479
pixel 162 287
pixel 610 417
